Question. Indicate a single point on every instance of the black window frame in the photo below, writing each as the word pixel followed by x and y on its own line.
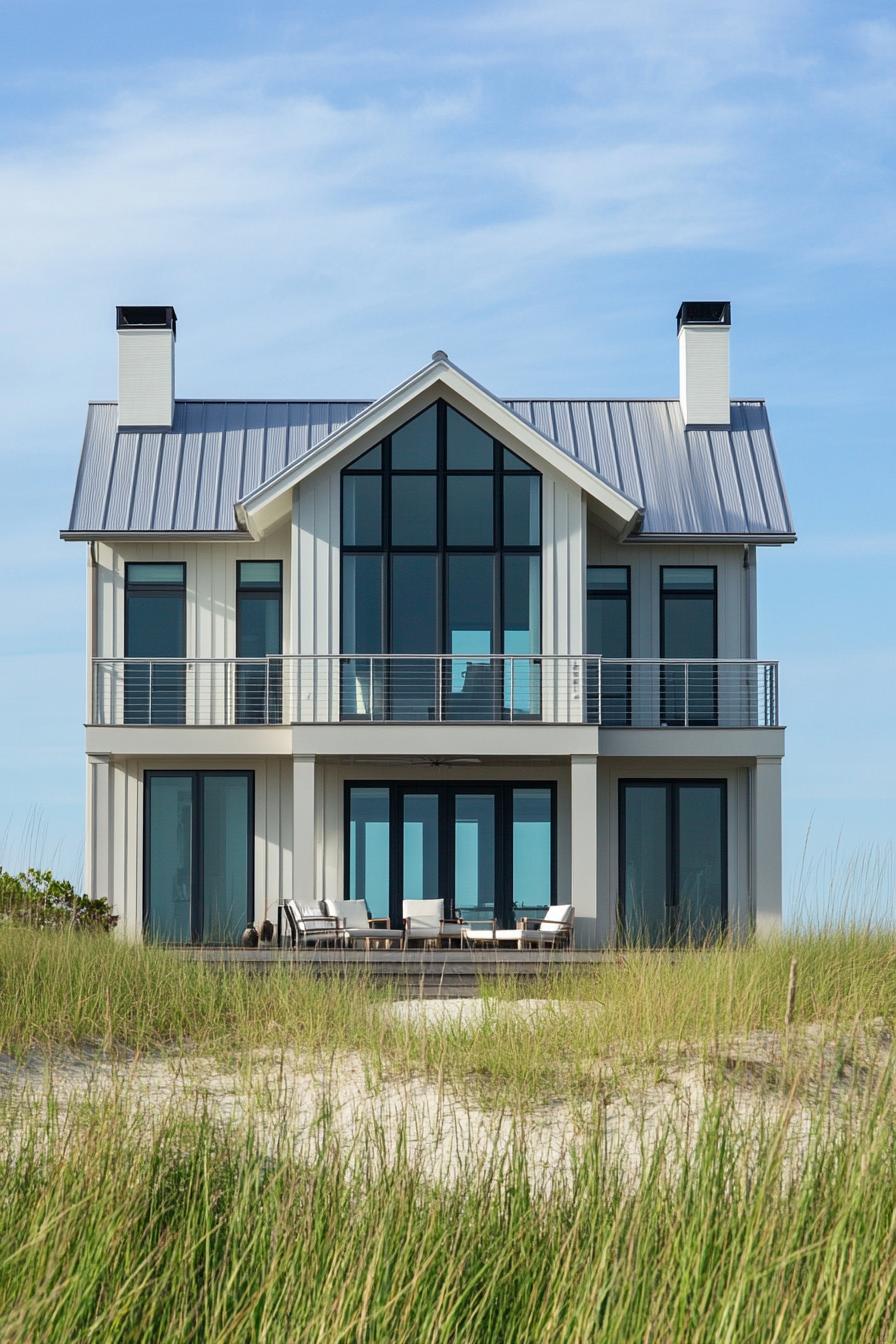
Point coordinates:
pixel 174 675
pixel 672 786
pixel 597 693
pixel 671 682
pixel 197 912
pixel 258 699
pixel 447 793
pixel 497 472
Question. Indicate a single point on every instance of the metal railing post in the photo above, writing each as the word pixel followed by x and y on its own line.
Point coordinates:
pixel 440 678
pixel 512 661
pixel 149 706
pixel 686 695
pixel 370 691
pixel 600 689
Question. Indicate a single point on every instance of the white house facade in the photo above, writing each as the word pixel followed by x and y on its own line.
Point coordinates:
pixel 441 644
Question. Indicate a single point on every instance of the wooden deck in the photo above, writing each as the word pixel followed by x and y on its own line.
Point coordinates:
pixel 430 971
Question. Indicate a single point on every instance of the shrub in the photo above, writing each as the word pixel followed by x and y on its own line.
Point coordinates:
pixel 39 899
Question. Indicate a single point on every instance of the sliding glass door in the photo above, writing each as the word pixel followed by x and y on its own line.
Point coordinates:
pixel 487 850
pixel 672 860
pixel 198 880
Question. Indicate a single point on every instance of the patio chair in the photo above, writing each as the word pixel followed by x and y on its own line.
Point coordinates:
pixel 357 925
pixel 555 929
pixel 424 921
pixel 309 925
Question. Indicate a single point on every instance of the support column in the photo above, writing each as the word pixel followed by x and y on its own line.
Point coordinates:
pixel 766 845
pixel 98 856
pixel 304 837
pixel 583 849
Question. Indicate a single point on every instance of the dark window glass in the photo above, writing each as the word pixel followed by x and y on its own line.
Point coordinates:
pixel 420 846
pixel 413 689
pixel 472 683
pixel 362 510
pixel 362 605
pixel 259 619
pixel 468 448
pixel 414 445
pixel 608 620
pixel 514 463
pixel 198 871
pixel 688 626
pixel 470 506
pixel 367 867
pixel 533 862
pixel 522 635
pixel 475 854
pixel 155 607
pixel 372 460
pixel 522 510
pixel 673 860
pixel 414 511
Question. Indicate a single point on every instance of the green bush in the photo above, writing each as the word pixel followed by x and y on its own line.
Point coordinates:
pixel 44 901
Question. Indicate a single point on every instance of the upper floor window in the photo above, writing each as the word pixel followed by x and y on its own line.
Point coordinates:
pixel 688 630
pixel 609 633
pixel 259 635
pixel 155 627
pixel 441 537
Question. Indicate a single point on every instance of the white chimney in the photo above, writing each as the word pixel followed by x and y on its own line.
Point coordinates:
pixel 703 363
pixel 146 367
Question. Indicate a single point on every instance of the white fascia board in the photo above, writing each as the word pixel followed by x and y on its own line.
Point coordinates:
pixel 261 509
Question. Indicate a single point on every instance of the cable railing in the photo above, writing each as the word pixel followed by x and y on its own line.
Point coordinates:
pixel 436 688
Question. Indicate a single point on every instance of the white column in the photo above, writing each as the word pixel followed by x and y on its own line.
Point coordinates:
pixel 766 844
pixel 98 856
pixel 583 848
pixel 304 838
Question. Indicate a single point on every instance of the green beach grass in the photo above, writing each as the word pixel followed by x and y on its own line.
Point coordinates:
pixel 124 1220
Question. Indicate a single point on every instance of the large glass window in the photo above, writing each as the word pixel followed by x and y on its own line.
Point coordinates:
pixel 688 631
pixel 155 628
pixel 487 850
pixel 609 634
pixel 259 635
pixel 441 536
pixel 198 844
pixel 673 860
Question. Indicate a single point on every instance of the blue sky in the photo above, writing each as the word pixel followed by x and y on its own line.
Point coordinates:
pixel 327 194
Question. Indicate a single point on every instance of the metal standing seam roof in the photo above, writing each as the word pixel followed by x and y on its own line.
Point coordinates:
pixel 697 482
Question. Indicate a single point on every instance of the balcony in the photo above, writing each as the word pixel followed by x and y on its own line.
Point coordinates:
pixel 438 688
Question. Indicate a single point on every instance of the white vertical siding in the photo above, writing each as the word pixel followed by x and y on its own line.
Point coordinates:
pixel 736 589
pixel 211 589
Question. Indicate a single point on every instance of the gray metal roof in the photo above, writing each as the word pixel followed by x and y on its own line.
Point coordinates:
pixel 689 483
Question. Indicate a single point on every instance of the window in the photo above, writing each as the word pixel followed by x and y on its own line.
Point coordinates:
pixel 487 850
pixel 155 628
pixel 441 537
pixel 259 634
pixel 609 633
pixel 672 860
pixel 688 631
pixel 198 878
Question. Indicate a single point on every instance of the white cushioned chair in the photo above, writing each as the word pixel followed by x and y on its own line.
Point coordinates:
pixel 555 929
pixel 356 924
pixel 424 921
pixel 308 924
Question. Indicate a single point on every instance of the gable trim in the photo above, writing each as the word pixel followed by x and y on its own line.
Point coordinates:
pixel 254 511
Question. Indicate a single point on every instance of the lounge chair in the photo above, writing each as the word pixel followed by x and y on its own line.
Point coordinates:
pixel 356 924
pixel 555 929
pixel 424 921
pixel 309 925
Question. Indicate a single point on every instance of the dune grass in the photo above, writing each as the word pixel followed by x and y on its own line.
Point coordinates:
pixel 61 990
pixel 196 1233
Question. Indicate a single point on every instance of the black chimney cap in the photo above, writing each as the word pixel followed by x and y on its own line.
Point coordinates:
pixel 129 316
pixel 707 314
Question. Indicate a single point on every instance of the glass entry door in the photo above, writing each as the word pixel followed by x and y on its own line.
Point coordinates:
pixel 672 860
pixel 487 850
pixel 198 879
